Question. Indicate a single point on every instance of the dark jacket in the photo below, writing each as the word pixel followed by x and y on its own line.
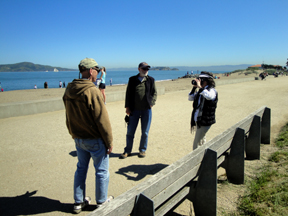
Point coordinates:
pixel 150 91
pixel 207 109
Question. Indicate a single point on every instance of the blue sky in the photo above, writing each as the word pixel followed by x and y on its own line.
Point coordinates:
pixel 123 33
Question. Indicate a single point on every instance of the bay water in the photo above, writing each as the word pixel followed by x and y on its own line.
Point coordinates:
pixel 10 81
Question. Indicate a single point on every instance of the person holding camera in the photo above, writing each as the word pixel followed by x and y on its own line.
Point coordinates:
pixel 102 85
pixel 141 95
pixel 204 106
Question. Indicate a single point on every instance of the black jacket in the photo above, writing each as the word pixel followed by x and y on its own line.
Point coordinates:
pixel 150 91
pixel 207 109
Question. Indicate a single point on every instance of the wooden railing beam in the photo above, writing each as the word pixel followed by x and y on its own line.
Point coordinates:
pixel 169 186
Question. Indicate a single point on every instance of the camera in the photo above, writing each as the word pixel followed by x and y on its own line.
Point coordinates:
pixel 193 82
pixel 126 119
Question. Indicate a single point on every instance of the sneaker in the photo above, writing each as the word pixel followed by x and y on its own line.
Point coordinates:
pixel 125 155
pixel 79 206
pixel 141 154
pixel 109 199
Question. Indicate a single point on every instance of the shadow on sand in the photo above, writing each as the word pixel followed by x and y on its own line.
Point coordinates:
pixel 73 153
pixel 27 204
pixel 137 172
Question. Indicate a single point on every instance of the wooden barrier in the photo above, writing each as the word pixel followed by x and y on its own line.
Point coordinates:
pixel 194 176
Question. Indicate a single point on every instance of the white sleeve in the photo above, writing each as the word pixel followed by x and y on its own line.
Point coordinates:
pixel 209 94
pixel 191 97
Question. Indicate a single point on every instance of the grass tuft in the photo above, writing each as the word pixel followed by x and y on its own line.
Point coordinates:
pixel 267 194
pixel 282 140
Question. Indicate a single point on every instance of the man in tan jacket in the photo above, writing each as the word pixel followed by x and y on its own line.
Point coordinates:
pixel 88 123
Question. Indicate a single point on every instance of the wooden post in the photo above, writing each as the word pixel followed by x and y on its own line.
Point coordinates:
pixel 266 126
pixel 253 141
pixel 143 206
pixel 204 194
pixel 236 158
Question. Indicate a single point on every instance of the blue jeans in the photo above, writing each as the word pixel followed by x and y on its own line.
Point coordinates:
pixel 146 118
pixel 95 148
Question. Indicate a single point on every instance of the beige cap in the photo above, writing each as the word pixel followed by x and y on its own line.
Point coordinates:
pixel 88 63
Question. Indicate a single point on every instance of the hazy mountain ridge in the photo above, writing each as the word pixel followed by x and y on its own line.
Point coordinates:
pixel 163 68
pixel 195 68
pixel 215 68
pixel 28 66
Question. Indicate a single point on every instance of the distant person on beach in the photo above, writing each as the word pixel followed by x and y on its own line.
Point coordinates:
pixel 262 76
pixel 88 123
pixel 45 85
pixel 111 82
pixel 63 84
pixel 35 86
pixel 60 84
pixel 204 106
pixel 102 85
pixel 141 95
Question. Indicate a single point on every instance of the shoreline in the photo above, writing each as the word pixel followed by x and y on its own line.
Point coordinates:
pixel 17 86
pixel 41 93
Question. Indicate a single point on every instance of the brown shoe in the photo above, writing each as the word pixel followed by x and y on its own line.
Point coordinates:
pixel 124 155
pixel 141 154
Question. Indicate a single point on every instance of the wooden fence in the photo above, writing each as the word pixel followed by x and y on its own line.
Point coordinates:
pixel 194 176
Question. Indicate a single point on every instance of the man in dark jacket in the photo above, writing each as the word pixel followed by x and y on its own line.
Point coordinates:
pixel 88 123
pixel 141 95
pixel 204 106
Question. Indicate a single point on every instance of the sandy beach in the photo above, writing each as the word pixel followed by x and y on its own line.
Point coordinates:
pixel 38 157
pixel 37 94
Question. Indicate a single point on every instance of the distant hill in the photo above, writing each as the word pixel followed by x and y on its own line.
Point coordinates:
pixel 163 68
pixel 214 68
pixel 28 66
pixel 195 68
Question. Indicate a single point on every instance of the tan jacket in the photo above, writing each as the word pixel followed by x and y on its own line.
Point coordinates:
pixel 86 113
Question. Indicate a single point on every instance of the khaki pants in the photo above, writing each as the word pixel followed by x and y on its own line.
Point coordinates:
pixel 200 138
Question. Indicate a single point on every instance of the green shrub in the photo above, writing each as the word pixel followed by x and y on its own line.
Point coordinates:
pixel 252 68
pixel 270 71
pixel 238 71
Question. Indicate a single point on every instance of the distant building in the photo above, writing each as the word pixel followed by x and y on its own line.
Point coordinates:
pixel 256 66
